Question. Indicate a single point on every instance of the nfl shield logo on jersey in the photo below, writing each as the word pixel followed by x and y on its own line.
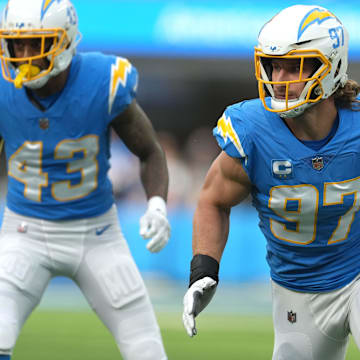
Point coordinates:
pixel 44 123
pixel 317 162
pixel 291 317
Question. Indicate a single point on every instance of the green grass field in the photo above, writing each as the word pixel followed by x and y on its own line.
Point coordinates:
pixel 59 335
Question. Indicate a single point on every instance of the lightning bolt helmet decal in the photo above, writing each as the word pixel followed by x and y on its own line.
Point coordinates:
pixel 314 16
pixel 45 6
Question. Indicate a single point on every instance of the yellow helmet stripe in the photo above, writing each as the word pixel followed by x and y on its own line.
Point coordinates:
pixel 45 6
pixel 315 15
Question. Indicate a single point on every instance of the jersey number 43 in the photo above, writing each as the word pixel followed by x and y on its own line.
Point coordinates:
pixel 26 166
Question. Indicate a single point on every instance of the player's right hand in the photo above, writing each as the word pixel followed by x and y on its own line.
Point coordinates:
pixel 196 299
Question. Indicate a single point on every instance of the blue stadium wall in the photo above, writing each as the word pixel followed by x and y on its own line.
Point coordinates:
pixel 244 256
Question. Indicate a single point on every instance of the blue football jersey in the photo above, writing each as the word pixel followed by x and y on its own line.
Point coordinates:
pixel 307 201
pixel 58 158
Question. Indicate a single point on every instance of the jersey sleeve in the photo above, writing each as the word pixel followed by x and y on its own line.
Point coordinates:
pixel 232 135
pixel 122 87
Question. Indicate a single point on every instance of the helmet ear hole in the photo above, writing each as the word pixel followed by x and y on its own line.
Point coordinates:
pixel 317 65
pixel 316 91
pixel 337 71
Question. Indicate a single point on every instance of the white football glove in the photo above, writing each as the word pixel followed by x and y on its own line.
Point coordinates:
pixel 196 299
pixel 154 224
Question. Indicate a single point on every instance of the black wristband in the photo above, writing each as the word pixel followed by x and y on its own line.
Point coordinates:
pixel 203 265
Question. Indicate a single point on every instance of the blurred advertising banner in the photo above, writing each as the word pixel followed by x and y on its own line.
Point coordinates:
pixel 189 28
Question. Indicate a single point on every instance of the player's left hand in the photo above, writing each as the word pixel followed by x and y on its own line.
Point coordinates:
pixel 196 299
pixel 154 225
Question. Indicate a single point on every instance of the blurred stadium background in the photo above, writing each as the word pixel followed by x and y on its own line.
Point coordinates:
pixel 194 58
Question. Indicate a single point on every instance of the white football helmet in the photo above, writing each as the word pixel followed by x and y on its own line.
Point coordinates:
pixel 299 32
pixel 40 19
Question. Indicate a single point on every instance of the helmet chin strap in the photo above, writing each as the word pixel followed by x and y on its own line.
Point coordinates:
pixel 299 109
pixel 61 62
pixel 294 112
pixel 291 113
pixel 41 81
pixel 37 83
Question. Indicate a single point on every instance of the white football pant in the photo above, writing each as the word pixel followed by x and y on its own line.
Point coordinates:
pixel 92 252
pixel 315 326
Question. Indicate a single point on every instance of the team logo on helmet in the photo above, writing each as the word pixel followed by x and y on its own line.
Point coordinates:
pixel 314 16
pixel 45 6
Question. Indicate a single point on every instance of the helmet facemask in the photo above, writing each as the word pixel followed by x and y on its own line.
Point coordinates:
pixel 312 91
pixel 52 42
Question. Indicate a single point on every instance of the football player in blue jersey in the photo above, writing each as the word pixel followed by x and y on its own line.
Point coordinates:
pixel 296 150
pixel 57 110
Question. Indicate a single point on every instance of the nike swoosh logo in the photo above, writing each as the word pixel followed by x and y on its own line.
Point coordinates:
pixel 100 231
